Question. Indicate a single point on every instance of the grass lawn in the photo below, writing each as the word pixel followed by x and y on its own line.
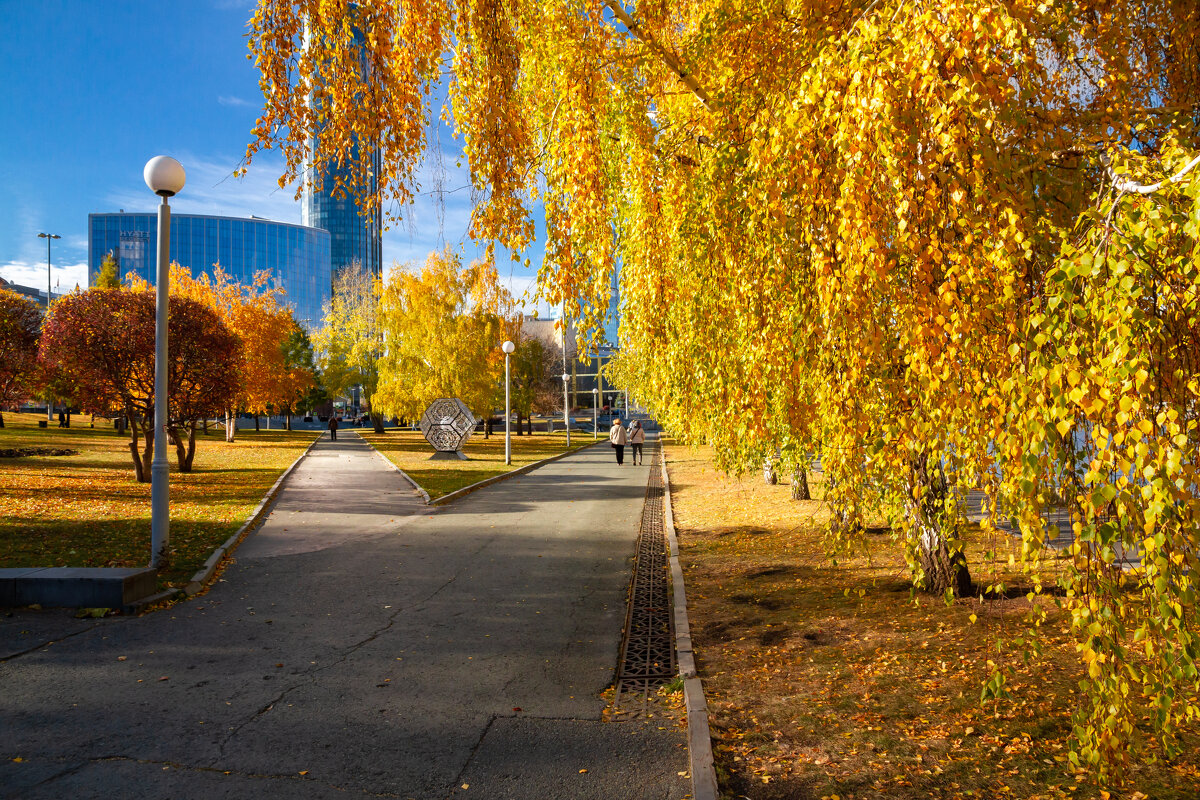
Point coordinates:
pixel 409 451
pixel 827 680
pixel 87 510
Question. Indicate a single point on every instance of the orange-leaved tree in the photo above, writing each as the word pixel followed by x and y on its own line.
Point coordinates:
pixel 20 326
pixel 268 378
pixel 103 342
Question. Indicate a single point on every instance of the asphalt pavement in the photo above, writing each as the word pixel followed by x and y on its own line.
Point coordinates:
pixel 361 645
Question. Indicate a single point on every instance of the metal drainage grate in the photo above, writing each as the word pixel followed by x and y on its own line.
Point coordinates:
pixel 648 648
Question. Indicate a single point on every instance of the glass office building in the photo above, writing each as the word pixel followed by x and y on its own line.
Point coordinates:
pixel 297 256
pixel 354 237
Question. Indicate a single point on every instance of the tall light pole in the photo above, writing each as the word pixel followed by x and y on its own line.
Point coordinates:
pixel 567 409
pixel 48 237
pixel 508 348
pixel 595 413
pixel 165 177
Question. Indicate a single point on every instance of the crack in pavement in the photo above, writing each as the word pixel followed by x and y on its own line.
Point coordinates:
pixel 48 642
pixel 176 765
pixel 309 676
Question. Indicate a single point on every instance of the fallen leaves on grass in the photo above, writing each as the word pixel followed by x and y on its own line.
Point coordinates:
pixel 86 509
pixel 827 681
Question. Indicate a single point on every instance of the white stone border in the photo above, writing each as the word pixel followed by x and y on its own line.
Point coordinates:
pixel 700 754
pixel 450 497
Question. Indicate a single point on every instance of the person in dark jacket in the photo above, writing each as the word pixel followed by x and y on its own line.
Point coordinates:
pixel 333 426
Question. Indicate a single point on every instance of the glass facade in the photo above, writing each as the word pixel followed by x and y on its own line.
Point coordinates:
pixel 297 256
pixel 354 237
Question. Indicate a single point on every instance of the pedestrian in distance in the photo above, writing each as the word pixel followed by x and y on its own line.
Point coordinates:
pixel 333 426
pixel 617 438
pixel 637 437
pixel 62 419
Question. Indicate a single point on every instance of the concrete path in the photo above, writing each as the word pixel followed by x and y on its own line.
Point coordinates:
pixel 363 645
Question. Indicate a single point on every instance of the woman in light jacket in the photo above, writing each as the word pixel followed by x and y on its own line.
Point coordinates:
pixel 637 437
pixel 617 438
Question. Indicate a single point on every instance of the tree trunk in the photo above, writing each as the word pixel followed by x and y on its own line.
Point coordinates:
pixel 206 426
pixel 68 416
pixel 944 567
pixel 140 471
pixel 487 428
pixel 289 421
pixel 770 476
pixel 1 419
pixel 230 425
pixel 257 428
pixel 800 485
pixel 377 422
pixel 141 464
pixel 184 456
pixel 530 423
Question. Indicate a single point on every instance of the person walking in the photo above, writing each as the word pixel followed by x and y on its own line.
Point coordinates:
pixel 333 426
pixel 637 437
pixel 617 438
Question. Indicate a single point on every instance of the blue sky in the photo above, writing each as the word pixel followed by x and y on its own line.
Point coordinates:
pixel 94 88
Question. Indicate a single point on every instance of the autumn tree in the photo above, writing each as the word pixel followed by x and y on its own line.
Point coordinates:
pixel 269 377
pixel 536 385
pixel 20 326
pixel 109 274
pixel 350 342
pixel 842 226
pixel 442 328
pixel 300 389
pixel 103 339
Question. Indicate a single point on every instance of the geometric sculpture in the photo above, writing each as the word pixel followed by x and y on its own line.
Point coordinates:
pixel 447 425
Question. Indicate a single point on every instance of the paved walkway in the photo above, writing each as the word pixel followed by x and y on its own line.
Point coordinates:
pixel 362 645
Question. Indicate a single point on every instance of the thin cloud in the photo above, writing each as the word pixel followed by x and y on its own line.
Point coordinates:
pixel 212 189
pixel 235 102
pixel 63 277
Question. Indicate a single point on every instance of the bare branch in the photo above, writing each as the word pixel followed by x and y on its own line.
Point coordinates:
pixel 669 58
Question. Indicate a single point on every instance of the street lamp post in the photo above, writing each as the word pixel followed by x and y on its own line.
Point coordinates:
pixel 508 348
pixel 165 177
pixel 567 409
pixel 48 237
pixel 595 413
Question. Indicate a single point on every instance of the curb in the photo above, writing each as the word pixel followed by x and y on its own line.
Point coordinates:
pixel 466 490
pixel 200 580
pixel 700 754
pixel 403 474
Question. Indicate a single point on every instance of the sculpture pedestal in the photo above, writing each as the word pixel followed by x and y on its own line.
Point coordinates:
pixel 439 455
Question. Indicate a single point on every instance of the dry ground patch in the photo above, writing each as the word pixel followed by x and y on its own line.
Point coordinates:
pixel 409 451
pixel 86 509
pixel 831 680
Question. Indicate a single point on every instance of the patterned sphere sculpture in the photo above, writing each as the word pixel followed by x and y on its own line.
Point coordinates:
pixel 447 424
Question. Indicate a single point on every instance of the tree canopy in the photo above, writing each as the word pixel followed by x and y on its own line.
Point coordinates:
pixel 103 341
pixel 20 326
pixel 894 233
pixel 349 343
pixel 269 375
pixel 442 328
